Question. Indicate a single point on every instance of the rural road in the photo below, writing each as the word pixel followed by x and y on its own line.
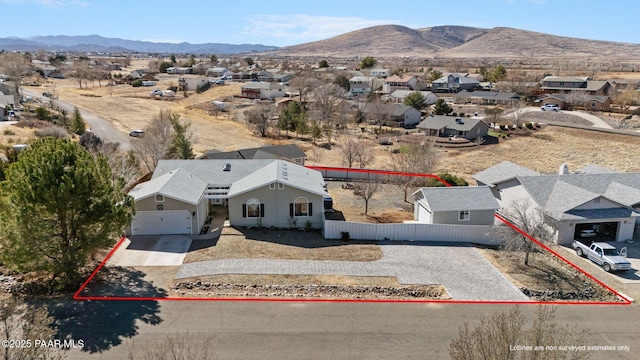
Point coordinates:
pixel 596 121
pixel 298 330
pixel 101 127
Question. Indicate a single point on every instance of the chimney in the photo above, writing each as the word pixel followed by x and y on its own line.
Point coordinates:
pixel 564 169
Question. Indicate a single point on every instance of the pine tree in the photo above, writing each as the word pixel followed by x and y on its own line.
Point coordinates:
pixel 58 205
pixel 77 123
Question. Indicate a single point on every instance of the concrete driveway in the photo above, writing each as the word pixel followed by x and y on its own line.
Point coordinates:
pixel 161 250
pixel 460 268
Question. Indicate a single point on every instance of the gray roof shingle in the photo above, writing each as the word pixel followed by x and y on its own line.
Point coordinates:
pixel 437 122
pixel 502 172
pixel 456 198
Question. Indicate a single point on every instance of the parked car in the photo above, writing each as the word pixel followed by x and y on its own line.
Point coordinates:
pixel 219 82
pixel 550 107
pixel 47 94
pixel 136 133
pixel 603 254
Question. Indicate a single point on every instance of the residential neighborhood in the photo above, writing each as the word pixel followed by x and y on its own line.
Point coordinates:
pixel 361 189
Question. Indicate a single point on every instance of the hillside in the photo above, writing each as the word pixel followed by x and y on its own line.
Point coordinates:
pixel 459 41
pixel 508 42
pixel 378 40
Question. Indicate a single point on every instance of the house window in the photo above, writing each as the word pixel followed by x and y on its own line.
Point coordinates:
pixel 593 104
pixel 159 198
pixel 463 215
pixel 272 186
pixel 301 207
pixel 280 186
pixel 252 208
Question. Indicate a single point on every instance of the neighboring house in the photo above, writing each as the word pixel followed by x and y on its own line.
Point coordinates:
pixel 244 75
pixel 361 85
pixel 589 102
pixel 380 73
pixel 136 74
pixel 271 193
pixel 6 102
pixel 454 83
pixel 398 96
pixel 468 128
pixel 486 98
pixel 457 205
pixel 399 82
pixel 216 71
pixel 395 115
pixel 592 199
pixel 262 90
pixel 289 152
pixel 192 82
pixel 282 78
pixel 569 84
pixel 179 70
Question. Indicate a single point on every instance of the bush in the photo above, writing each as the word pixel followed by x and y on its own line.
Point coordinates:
pixel 504 127
pixel 344 236
pixel 42 113
pixel 137 83
pixel 52 131
pixel 636 111
pixel 308 226
pixel 451 179
pixel 462 114
pixel 529 125
pixel 8 132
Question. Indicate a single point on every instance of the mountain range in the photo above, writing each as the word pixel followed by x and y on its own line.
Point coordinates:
pixel 96 43
pixel 448 41
pixel 460 41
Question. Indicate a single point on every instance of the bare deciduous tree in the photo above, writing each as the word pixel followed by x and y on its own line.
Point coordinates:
pixel 413 158
pixel 16 66
pixel 260 117
pixel 325 102
pixel 498 338
pixel 516 113
pixel 523 214
pixel 20 321
pixel 365 190
pixel 176 347
pixel 304 83
pixel 355 152
pixel 155 143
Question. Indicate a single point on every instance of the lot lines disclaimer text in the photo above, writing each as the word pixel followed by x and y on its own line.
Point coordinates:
pixel 570 348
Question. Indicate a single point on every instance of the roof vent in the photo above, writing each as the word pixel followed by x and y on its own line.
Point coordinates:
pixel 227 167
pixel 564 169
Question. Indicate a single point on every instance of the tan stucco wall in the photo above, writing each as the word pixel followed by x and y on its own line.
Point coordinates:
pixel 276 207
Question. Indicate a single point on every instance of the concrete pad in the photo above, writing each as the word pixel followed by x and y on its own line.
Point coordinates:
pixel 132 253
pixel 170 250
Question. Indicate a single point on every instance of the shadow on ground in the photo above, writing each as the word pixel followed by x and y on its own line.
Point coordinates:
pixel 103 324
pixel 299 238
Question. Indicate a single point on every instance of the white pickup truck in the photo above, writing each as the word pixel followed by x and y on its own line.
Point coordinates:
pixel 603 254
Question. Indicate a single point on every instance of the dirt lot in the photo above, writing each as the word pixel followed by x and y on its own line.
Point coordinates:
pixel 280 244
pixel 547 278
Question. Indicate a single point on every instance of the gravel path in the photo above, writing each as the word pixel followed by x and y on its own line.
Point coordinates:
pixel 461 269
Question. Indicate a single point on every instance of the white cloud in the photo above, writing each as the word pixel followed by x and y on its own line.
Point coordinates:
pixel 299 28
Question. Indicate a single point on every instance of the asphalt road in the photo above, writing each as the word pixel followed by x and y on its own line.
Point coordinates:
pixel 101 127
pixel 283 330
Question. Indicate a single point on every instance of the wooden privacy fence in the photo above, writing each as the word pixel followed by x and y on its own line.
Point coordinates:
pixel 477 234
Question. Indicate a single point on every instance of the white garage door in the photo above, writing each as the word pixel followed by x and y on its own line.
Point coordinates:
pixel 161 222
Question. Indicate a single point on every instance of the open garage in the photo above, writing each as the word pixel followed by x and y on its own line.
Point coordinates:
pixel 597 231
pixel 161 222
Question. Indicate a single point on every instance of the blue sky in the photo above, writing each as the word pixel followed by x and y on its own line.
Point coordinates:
pixel 284 22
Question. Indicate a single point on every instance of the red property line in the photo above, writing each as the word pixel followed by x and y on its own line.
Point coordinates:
pixel 624 301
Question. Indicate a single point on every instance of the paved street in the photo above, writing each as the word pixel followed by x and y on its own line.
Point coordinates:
pixel 461 269
pixel 101 127
pixel 284 330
